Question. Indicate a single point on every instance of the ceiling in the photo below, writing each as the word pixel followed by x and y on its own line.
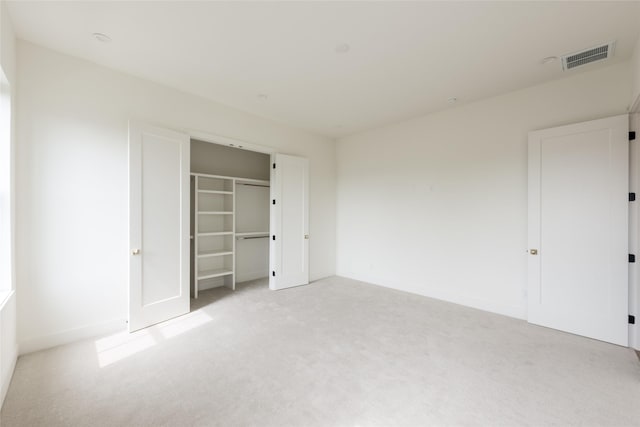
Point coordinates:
pixel 282 60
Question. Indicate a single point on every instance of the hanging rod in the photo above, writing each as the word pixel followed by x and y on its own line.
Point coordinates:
pixel 251 237
pixel 253 185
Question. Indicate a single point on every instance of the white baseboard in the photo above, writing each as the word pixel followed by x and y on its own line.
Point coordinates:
pixel 634 336
pixel 216 282
pixel 8 346
pixel 6 381
pixel 245 276
pixel 70 335
pixel 518 312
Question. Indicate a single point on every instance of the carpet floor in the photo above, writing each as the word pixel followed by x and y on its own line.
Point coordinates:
pixel 335 353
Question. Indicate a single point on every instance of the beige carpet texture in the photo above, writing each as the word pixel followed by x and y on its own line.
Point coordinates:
pixel 335 353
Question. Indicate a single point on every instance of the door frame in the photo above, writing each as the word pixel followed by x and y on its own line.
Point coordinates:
pixel 242 145
pixel 634 225
pixel 229 142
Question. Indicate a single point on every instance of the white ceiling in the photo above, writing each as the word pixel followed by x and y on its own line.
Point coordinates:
pixel 405 59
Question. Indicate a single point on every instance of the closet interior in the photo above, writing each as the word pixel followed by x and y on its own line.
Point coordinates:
pixel 229 216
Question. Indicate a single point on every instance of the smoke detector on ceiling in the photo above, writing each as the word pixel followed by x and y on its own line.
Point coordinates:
pixel 587 56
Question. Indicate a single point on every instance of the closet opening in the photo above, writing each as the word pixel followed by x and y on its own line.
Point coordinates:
pixel 230 192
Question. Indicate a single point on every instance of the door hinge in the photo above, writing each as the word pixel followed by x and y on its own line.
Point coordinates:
pixel 632 319
pixel 632 135
pixel 632 197
pixel 274 165
pixel 273 273
pixel 632 258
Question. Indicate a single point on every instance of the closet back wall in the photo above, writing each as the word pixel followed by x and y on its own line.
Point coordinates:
pixel 72 207
pixel 251 203
pixel 215 159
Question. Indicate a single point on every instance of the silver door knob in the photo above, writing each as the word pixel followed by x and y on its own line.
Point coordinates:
pixel 135 252
pixel 306 236
pixel 533 251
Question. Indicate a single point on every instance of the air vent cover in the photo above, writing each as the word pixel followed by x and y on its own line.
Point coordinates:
pixel 588 56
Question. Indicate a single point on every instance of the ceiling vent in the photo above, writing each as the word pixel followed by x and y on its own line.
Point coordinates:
pixel 587 56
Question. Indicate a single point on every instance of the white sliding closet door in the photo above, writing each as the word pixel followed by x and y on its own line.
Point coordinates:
pixel 158 225
pixel 289 250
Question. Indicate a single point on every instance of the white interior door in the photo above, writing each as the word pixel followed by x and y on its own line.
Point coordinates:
pixel 289 250
pixel 578 229
pixel 158 225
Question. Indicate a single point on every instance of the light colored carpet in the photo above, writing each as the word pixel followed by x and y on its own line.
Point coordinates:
pixel 334 353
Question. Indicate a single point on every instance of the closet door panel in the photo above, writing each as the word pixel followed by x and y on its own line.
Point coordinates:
pixel 159 225
pixel 289 252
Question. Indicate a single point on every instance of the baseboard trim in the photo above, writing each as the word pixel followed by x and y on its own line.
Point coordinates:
pixel 7 381
pixel 9 347
pixel 6 299
pixel 251 275
pixel 634 337
pixel 518 312
pixel 70 335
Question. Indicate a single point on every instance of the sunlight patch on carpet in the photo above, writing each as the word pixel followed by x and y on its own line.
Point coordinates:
pixel 117 347
pixel 182 324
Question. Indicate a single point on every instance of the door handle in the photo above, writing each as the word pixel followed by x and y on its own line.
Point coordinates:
pixel 135 252
pixel 306 236
pixel 533 251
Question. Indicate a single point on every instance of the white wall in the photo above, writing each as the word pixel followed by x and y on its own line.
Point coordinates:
pixel 7 43
pixel 72 187
pixel 438 205
pixel 8 346
pixel 635 92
